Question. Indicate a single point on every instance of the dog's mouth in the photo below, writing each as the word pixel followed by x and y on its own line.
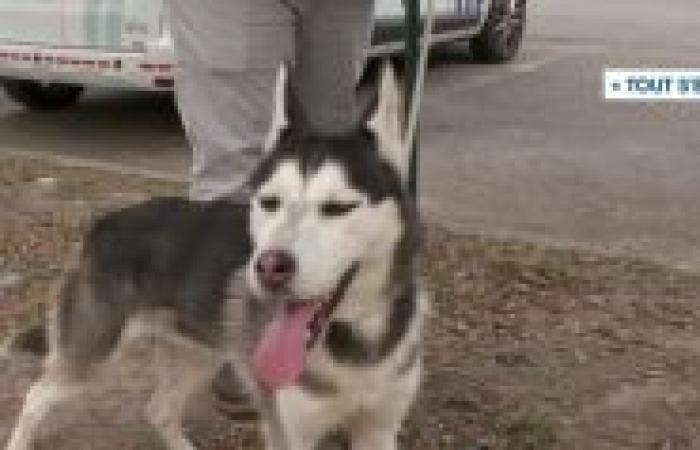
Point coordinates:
pixel 296 328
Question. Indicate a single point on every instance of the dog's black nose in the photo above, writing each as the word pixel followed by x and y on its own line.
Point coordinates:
pixel 275 269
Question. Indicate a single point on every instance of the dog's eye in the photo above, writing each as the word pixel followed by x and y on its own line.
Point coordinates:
pixel 270 203
pixel 336 209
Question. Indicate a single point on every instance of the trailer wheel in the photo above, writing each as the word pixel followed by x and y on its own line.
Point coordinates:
pixel 500 38
pixel 42 97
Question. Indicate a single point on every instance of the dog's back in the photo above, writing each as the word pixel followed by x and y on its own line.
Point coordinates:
pixel 167 253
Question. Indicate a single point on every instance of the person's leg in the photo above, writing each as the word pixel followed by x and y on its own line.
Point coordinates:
pixel 226 117
pixel 332 40
pixel 228 52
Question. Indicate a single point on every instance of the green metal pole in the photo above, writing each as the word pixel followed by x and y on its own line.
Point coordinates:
pixel 412 46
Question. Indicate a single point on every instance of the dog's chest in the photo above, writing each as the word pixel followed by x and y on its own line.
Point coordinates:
pixel 339 392
pixel 363 364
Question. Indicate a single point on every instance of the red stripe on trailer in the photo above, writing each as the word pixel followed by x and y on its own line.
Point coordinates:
pixel 152 67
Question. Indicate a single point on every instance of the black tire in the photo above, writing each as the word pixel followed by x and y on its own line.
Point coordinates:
pixel 500 38
pixel 42 97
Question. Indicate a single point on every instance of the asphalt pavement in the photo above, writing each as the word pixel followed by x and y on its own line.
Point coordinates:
pixel 527 150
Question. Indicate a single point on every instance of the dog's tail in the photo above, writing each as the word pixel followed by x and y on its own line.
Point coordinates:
pixel 33 340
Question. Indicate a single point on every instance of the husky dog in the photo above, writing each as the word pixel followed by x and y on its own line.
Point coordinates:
pixel 308 289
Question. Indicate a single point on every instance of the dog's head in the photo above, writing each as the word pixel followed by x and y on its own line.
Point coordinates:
pixel 324 204
pixel 325 208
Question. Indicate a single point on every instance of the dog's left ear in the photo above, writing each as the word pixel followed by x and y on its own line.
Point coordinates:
pixel 280 111
pixel 386 122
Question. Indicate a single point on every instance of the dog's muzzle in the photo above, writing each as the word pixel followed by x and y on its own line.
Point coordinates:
pixel 296 327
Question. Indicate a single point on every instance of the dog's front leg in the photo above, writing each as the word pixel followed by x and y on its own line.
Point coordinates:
pixel 374 438
pixel 377 426
pixel 273 429
pixel 376 430
pixel 275 436
pixel 305 418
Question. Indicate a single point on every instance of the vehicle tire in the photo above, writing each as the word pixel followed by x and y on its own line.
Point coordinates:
pixel 500 38
pixel 42 97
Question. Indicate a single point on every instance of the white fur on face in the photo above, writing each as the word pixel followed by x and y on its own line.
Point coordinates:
pixel 324 248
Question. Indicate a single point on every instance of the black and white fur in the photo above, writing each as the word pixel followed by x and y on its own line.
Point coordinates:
pixel 183 274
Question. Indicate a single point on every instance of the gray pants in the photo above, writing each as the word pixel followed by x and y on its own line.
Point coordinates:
pixel 229 51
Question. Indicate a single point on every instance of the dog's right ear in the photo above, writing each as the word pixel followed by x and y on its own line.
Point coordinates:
pixel 280 109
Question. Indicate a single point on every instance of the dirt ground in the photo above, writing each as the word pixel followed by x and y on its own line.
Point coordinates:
pixel 527 348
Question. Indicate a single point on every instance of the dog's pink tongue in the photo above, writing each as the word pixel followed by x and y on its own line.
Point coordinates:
pixel 279 357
